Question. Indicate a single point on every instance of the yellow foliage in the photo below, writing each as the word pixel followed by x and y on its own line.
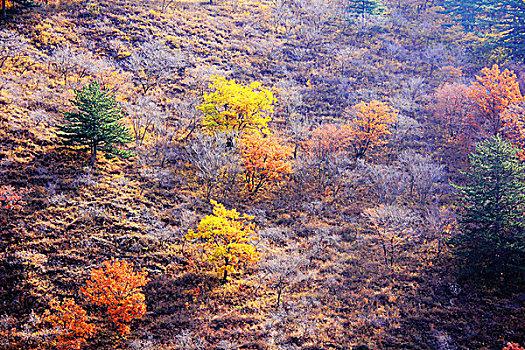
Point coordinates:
pixel 370 125
pixel 226 237
pixel 236 107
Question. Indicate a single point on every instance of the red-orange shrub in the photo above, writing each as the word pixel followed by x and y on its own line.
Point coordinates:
pixel 118 288
pixel 71 320
pixel 513 346
pixel 11 198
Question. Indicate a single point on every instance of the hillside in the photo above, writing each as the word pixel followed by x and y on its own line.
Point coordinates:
pixel 355 222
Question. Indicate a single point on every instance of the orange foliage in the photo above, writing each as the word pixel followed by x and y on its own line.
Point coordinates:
pixel 117 287
pixel 370 126
pixel 71 319
pixel 494 92
pixel 10 198
pixel 328 139
pixel 264 159
pixel 513 346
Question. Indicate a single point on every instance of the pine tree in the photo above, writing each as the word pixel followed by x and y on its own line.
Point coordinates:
pixel 96 124
pixel 492 240
pixel 509 17
pixel 471 14
pixel 364 6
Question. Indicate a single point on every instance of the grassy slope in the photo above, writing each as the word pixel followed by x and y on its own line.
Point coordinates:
pixel 76 217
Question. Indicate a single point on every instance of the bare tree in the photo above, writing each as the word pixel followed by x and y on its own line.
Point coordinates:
pixel 215 159
pixel 389 182
pixel 408 98
pixel 65 61
pixel 439 221
pixel 188 341
pixel 153 64
pixel 425 176
pixel 280 271
pixel 13 47
pixel 394 226
pixel 145 116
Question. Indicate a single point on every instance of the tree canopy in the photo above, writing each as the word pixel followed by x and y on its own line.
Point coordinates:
pixel 96 123
pixel 492 240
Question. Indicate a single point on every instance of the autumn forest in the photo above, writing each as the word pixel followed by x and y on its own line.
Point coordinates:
pixel 262 174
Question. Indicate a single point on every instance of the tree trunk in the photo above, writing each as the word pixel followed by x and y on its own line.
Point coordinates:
pixel 279 292
pixel 4 14
pixel 93 154
pixel 225 276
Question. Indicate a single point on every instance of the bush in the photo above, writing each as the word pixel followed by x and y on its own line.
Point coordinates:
pixel 118 288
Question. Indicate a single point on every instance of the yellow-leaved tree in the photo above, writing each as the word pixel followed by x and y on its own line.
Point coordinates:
pixel 370 126
pixel 225 237
pixel 233 107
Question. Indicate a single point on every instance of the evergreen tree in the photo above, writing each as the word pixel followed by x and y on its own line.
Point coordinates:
pixel 364 6
pixel 493 220
pixel 96 124
pixel 509 17
pixel 504 21
pixel 471 14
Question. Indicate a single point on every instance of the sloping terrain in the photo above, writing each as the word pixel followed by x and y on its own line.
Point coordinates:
pixel 341 288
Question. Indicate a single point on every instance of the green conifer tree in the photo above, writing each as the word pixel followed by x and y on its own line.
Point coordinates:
pixel 373 7
pixel 471 14
pixel 96 124
pixel 492 240
pixel 509 20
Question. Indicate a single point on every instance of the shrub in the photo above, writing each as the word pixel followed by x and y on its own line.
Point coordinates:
pixel 72 323
pixel 118 288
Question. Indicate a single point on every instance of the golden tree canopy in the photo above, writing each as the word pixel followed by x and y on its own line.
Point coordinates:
pixel 370 125
pixel 226 236
pixel 236 107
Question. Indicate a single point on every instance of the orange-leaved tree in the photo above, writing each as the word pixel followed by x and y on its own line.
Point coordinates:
pixel 72 323
pixel 513 346
pixel 370 126
pixel 225 236
pixel 265 159
pixel 233 107
pixel 493 92
pixel 328 140
pixel 118 288
pixel 325 144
